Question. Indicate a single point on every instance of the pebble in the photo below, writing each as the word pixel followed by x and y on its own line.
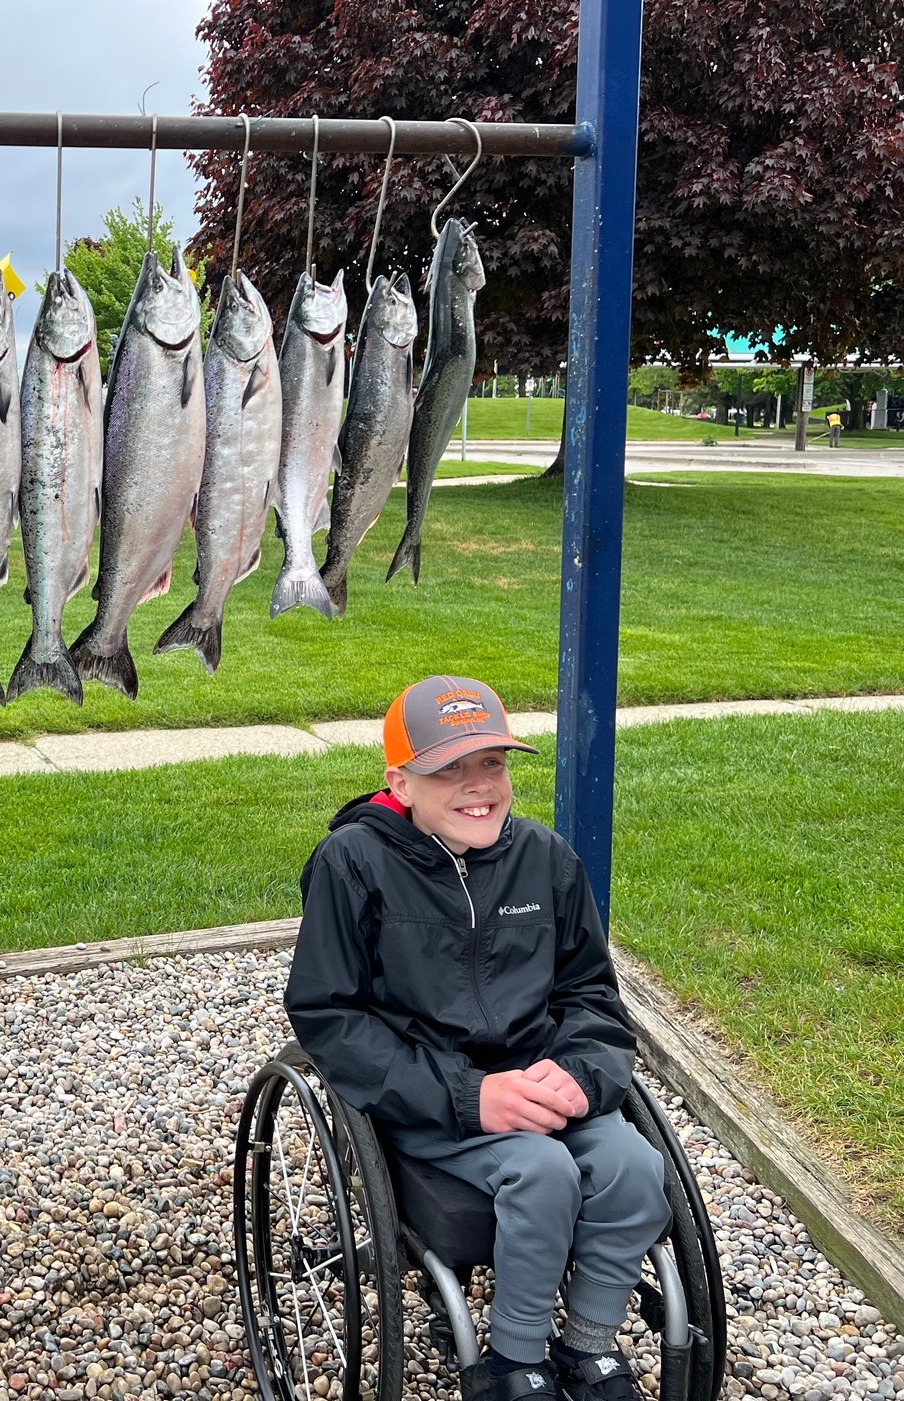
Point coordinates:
pixel 120 1091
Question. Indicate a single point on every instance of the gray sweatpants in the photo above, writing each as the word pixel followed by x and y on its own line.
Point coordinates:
pixel 592 1190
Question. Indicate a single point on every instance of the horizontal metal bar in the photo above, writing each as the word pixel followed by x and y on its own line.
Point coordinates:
pixel 293 134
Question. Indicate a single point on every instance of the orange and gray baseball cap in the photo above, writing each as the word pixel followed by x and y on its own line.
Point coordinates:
pixel 442 718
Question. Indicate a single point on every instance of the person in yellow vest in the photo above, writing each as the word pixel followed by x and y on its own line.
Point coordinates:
pixel 833 420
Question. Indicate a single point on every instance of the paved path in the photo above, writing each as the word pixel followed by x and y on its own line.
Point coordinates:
pixel 142 749
pixel 743 456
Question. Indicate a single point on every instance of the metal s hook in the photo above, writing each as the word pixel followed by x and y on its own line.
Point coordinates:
pixel 459 121
pixel 153 174
pixel 241 207
pixel 313 196
pixel 59 207
pixel 373 243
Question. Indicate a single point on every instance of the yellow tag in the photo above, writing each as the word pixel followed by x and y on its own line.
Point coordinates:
pixel 192 274
pixel 12 282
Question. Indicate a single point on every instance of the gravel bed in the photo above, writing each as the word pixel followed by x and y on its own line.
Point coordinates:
pixel 120 1088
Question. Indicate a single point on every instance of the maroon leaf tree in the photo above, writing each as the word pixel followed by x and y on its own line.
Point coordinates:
pixel 770 182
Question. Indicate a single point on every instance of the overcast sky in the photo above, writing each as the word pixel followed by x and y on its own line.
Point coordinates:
pixel 94 56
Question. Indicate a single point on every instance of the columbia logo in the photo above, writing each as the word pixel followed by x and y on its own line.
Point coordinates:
pixel 518 909
pixel 536 1380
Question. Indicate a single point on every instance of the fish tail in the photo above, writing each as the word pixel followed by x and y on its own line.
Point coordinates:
pixel 408 553
pixel 289 593
pixel 116 669
pixel 4 569
pixel 60 675
pixel 337 588
pixel 207 642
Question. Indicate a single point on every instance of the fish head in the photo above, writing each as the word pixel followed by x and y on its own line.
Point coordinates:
pixel 322 309
pixel 394 315
pixel 65 327
pixel 466 263
pixel 242 324
pixel 165 305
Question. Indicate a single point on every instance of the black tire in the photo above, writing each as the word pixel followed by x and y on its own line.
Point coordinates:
pixel 316 1242
pixel 692 1242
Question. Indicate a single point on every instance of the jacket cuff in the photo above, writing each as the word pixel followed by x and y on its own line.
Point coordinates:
pixel 469 1109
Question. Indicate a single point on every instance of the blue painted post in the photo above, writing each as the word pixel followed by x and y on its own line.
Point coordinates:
pixel 599 347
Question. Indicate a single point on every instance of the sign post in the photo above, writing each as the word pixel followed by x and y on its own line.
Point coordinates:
pixel 805 377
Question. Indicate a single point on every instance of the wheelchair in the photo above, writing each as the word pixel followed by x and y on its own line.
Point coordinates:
pixel 329 1221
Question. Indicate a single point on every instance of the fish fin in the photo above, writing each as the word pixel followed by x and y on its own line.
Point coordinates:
pixel 323 517
pixel 207 642
pixel 26 595
pixel 61 675
pixel 196 577
pixel 189 376
pixel 278 531
pixel 6 399
pixel 83 383
pixel 408 553
pixel 193 513
pixel 290 593
pixel 4 570
pixel 331 364
pixel 256 381
pixel 80 580
pixel 95 592
pixel 2 698
pixel 250 567
pixel 338 591
pixel 409 375
pixel 116 670
pixel 337 460
pixel 159 586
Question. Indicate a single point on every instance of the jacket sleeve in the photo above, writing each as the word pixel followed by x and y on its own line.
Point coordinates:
pixel 594 1039
pixel 328 1003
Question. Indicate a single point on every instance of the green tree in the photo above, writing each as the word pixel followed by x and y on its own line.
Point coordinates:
pixel 108 268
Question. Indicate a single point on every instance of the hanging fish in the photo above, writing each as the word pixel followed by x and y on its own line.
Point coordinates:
pixel 62 461
pixel 456 275
pixel 10 432
pixel 312 365
pixel 153 459
pixel 375 431
pixel 244 415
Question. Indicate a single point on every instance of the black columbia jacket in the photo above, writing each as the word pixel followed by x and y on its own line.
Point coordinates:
pixel 418 972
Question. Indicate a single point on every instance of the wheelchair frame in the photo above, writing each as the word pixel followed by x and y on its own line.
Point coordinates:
pixel 321 1250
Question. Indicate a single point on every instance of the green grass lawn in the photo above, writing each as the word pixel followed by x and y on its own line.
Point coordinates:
pixel 759 869
pixel 733 587
pixel 508 418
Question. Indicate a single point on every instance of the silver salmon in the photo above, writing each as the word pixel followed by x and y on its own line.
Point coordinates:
pixel 456 276
pixel 62 462
pixel 10 433
pixel 154 456
pixel 312 365
pixel 244 415
pixel 375 432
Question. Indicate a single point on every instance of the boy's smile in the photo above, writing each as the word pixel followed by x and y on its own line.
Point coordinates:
pixel 465 804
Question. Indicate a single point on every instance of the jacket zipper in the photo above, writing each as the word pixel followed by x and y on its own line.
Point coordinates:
pixel 462 871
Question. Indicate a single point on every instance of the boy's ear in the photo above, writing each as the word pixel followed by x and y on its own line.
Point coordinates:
pixel 397 782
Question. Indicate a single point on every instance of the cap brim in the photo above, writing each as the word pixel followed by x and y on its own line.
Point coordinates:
pixel 438 755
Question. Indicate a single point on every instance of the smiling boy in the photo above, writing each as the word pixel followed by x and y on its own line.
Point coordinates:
pixel 452 979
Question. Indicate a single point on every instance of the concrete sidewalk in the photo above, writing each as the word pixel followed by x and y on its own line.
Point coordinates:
pixel 725 456
pixel 142 749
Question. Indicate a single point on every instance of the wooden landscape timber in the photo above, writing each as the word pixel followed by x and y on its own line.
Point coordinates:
pixel 685 1059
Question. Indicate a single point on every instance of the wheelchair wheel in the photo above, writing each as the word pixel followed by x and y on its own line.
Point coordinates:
pixel 692 1242
pixel 315 1242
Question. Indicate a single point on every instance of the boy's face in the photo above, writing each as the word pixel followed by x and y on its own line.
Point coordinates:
pixel 465 804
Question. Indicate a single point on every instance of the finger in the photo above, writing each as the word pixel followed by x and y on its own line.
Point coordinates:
pixel 542 1094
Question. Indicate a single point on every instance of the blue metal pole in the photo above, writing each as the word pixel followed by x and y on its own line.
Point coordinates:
pixel 598 354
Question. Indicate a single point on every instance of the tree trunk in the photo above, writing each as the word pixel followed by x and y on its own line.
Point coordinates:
pixel 556 468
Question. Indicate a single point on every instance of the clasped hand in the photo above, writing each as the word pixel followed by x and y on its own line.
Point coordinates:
pixel 541 1098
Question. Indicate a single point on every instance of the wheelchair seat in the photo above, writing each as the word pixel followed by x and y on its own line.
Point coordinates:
pixel 330 1223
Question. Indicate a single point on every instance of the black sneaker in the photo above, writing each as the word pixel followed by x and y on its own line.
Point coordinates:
pixel 532 1380
pixel 605 1378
